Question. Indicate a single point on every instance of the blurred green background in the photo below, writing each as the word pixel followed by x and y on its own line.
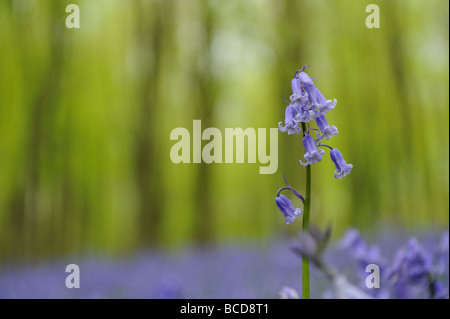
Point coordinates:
pixel 86 116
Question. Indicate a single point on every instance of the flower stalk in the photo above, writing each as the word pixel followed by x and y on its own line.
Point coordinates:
pixel 308 103
pixel 305 228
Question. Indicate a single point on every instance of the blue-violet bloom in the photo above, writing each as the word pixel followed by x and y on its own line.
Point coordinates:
pixel 299 96
pixel 342 168
pixel 321 104
pixel 413 264
pixel 327 130
pixel 308 86
pixel 288 210
pixel 304 114
pixel 313 154
pixel 292 126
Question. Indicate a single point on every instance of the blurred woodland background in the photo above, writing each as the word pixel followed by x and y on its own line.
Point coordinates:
pixel 86 116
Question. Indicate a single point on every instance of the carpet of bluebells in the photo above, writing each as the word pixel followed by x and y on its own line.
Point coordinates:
pixel 410 267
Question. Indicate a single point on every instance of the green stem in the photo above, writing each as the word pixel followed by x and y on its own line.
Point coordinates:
pixel 306 209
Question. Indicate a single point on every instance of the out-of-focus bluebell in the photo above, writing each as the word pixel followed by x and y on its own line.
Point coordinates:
pixel 412 264
pixel 288 293
pixel 360 250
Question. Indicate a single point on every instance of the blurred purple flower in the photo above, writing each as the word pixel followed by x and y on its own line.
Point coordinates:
pixel 168 288
pixel 439 290
pixel 412 264
pixel 288 293
pixel 360 250
pixel 193 273
pixel 442 255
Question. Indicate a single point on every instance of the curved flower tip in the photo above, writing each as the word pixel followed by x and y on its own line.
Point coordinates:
pixel 293 190
pixel 312 153
pixel 342 168
pixel 288 210
pixel 301 70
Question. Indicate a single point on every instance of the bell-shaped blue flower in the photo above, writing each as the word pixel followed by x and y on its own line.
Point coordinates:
pixel 299 96
pixel 304 114
pixel 321 104
pixel 342 168
pixel 317 102
pixel 308 86
pixel 288 210
pixel 292 126
pixel 313 154
pixel 327 130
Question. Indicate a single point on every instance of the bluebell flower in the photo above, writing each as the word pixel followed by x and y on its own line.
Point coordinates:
pixel 327 130
pixel 321 104
pixel 442 255
pixel 318 103
pixel 313 154
pixel 288 210
pixel 292 126
pixel 361 250
pixel 299 99
pixel 413 264
pixel 299 96
pixel 439 290
pixel 304 114
pixel 352 239
pixel 342 168
pixel 308 86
